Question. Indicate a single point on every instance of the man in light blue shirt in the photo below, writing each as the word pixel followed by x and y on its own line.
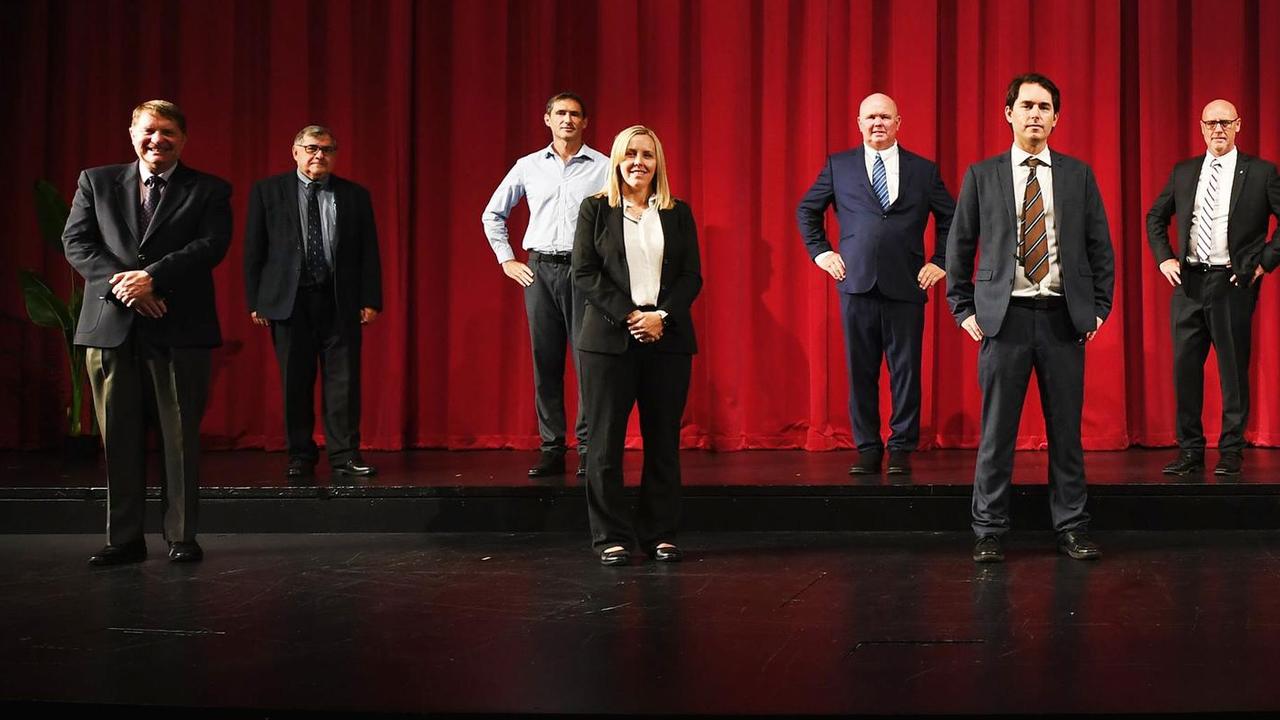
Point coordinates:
pixel 555 180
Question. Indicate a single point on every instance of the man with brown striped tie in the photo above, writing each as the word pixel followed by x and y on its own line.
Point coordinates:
pixel 1224 200
pixel 1044 283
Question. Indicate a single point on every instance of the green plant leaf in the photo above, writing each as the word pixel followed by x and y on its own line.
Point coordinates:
pixel 51 213
pixel 44 308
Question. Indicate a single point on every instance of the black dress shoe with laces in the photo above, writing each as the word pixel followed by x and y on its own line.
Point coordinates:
pixel 134 552
pixel 549 464
pixel 355 468
pixel 899 463
pixel 987 550
pixel 185 552
pixel 666 553
pixel 1229 463
pixel 868 464
pixel 615 556
pixel 1187 462
pixel 1078 545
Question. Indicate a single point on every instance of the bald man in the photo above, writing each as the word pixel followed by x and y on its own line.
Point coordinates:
pixel 1224 201
pixel 883 196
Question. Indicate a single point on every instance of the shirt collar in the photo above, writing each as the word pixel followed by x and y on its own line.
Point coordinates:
pixel 885 154
pixel 1020 156
pixel 583 152
pixel 1228 158
pixel 324 184
pixel 144 174
pixel 652 203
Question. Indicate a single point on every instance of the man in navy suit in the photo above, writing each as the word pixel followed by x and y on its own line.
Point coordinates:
pixel 883 196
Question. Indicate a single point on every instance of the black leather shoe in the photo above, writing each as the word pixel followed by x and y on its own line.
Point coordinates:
pixel 1188 462
pixel 868 464
pixel 185 552
pixel 582 466
pixel 670 554
pixel 299 469
pixel 549 464
pixel 355 468
pixel 615 556
pixel 987 550
pixel 1077 544
pixel 1229 464
pixel 134 552
pixel 899 463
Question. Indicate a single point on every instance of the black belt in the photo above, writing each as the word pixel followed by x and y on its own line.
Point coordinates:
pixel 1043 302
pixel 1202 268
pixel 557 258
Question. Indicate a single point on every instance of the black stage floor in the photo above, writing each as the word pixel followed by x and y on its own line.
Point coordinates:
pixel 752 623
pixel 442 491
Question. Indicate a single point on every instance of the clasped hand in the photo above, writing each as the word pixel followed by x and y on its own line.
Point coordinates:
pixel 645 326
pixel 135 290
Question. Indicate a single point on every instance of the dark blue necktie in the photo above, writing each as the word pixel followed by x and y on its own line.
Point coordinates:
pixel 317 265
pixel 880 182
pixel 155 188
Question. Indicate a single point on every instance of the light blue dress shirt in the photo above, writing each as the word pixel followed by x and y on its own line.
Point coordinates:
pixel 328 213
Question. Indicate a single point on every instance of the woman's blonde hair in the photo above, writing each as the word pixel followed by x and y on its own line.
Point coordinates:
pixel 613 186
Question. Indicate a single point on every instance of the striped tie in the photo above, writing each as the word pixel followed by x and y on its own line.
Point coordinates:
pixel 880 182
pixel 1206 215
pixel 1033 245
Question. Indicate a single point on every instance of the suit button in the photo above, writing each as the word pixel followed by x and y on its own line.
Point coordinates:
pixel 142 258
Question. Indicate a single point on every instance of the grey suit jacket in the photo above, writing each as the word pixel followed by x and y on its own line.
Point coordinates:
pixel 986 225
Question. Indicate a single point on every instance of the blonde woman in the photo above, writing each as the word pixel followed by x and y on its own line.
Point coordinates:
pixel 635 259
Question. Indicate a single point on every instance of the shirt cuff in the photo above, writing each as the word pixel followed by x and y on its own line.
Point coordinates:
pixel 817 260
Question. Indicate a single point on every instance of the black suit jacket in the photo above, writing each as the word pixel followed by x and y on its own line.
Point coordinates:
pixel 188 236
pixel 986 223
pixel 1255 197
pixel 881 248
pixel 273 248
pixel 601 274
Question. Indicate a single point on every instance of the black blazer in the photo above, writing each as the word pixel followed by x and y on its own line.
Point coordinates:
pixel 600 273
pixel 986 222
pixel 1255 197
pixel 882 249
pixel 273 248
pixel 189 235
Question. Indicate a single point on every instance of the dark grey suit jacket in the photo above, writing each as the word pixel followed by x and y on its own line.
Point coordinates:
pixel 1255 197
pixel 601 274
pixel 189 235
pixel 986 224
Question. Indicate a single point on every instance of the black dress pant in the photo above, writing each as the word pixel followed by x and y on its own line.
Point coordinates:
pixel 131 383
pixel 878 329
pixel 554 308
pixel 1042 340
pixel 657 383
pixel 1219 313
pixel 317 333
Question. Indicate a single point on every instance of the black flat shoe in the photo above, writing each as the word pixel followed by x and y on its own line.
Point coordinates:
pixel 355 468
pixel 1078 545
pixel 549 464
pixel 868 464
pixel 134 552
pixel 1229 464
pixel 185 552
pixel 899 463
pixel 615 556
pixel 670 554
pixel 987 550
pixel 1186 463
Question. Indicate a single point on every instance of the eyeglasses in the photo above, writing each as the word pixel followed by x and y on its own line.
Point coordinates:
pixel 314 149
pixel 1220 124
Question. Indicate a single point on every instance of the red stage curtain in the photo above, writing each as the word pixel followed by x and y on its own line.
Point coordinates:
pixel 433 101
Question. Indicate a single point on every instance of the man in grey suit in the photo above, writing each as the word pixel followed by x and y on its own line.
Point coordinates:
pixel 1043 288
pixel 146 236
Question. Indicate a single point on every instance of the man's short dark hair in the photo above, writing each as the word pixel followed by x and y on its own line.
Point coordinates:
pixel 567 96
pixel 1016 84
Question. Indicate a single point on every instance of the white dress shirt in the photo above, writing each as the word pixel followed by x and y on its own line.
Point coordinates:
pixel 1217 216
pixel 1051 285
pixel 644 243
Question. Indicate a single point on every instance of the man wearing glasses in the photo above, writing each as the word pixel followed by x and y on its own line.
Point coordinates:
pixel 312 275
pixel 1224 201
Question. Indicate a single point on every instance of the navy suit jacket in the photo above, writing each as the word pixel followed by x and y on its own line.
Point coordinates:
pixel 188 236
pixel 882 249
pixel 986 225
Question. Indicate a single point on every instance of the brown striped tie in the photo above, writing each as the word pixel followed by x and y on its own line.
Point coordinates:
pixel 1033 246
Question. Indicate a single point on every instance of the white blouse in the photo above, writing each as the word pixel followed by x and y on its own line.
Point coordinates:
pixel 644 243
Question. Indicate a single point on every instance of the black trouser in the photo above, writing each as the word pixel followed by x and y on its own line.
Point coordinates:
pixel 876 329
pixel 134 381
pixel 316 332
pixel 1042 340
pixel 1219 314
pixel 554 308
pixel 658 384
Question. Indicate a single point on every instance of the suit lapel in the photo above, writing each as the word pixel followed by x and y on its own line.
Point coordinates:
pixel 861 156
pixel 670 236
pixel 174 195
pixel 1243 162
pixel 1063 185
pixel 1005 174
pixel 342 200
pixel 129 200
pixel 614 232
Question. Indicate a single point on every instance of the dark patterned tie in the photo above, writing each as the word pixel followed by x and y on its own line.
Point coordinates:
pixel 155 188
pixel 317 265
pixel 880 182
pixel 1033 246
